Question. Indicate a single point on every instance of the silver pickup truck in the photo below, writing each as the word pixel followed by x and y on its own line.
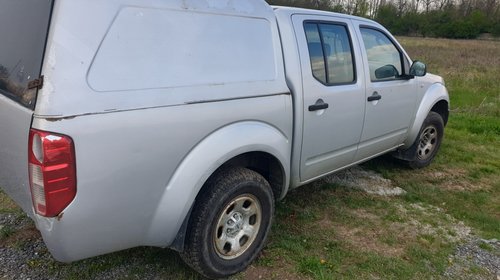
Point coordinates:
pixel 179 123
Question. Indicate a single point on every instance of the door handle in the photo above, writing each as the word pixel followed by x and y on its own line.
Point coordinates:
pixel 375 96
pixel 319 105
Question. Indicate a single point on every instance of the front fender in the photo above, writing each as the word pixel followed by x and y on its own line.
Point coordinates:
pixel 204 159
pixel 435 93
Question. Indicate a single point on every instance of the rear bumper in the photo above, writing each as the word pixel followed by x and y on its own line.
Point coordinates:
pixel 69 239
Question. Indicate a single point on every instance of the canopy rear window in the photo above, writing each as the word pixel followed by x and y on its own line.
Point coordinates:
pixel 23 32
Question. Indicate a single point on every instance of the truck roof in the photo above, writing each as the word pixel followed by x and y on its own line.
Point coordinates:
pixel 291 11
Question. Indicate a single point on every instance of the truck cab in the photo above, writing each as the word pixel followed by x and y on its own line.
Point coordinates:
pixel 353 91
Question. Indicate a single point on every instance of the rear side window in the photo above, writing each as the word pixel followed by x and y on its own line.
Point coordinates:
pixel 330 51
pixel 23 32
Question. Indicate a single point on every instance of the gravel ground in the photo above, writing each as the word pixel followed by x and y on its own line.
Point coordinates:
pixel 17 263
pixel 24 251
pixel 477 255
pixel 24 256
pixel 364 180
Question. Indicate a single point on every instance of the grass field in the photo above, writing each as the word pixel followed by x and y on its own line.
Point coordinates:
pixel 325 231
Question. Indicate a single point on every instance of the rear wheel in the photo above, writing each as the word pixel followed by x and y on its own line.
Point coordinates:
pixel 428 141
pixel 230 223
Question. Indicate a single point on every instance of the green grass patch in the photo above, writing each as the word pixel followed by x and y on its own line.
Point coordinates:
pixel 6 231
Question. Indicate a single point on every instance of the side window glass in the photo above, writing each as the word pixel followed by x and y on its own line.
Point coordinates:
pixel 315 52
pixel 337 49
pixel 330 51
pixel 384 59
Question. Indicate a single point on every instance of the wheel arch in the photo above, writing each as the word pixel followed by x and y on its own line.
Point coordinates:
pixel 442 108
pixel 263 163
pixel 436 99
pixel 251 144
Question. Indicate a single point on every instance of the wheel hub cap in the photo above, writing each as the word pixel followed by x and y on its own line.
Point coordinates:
pixel 427 144
pixel 234 224
pixel 237 226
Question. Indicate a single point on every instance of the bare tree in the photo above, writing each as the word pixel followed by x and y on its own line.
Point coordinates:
pixel 401 6
pixel 428 5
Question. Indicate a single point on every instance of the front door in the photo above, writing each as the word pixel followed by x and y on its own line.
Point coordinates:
pixel 333 93
pixel 390 96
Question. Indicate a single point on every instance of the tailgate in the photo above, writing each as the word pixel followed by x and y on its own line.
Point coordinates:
pixel 23 33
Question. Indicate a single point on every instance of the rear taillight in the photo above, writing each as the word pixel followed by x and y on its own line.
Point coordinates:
pixel 52 172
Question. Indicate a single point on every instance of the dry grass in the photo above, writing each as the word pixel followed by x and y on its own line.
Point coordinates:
pixel 465 64
pixel 19 236
pixel 6 204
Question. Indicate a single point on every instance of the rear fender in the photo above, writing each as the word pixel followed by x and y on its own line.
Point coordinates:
pixel 204 159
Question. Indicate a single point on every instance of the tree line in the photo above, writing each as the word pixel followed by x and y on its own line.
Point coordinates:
pixel 464 19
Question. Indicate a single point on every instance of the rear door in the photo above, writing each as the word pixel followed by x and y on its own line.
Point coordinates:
pixel 333 93
pixel 23 32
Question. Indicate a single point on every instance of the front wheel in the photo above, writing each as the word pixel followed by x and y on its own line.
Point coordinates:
pixel 229 223
pixel 428 141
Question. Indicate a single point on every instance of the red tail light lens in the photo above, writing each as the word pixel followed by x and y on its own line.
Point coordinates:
pixel 52 172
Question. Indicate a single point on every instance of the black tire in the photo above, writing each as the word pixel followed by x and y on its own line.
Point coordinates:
pixel 210 227
pixel 428 141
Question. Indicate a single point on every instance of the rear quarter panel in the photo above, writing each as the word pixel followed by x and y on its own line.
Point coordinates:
pixel 125 162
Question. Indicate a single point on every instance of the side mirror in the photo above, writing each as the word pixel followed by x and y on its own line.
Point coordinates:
pixel 418 69
pixel 386 71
